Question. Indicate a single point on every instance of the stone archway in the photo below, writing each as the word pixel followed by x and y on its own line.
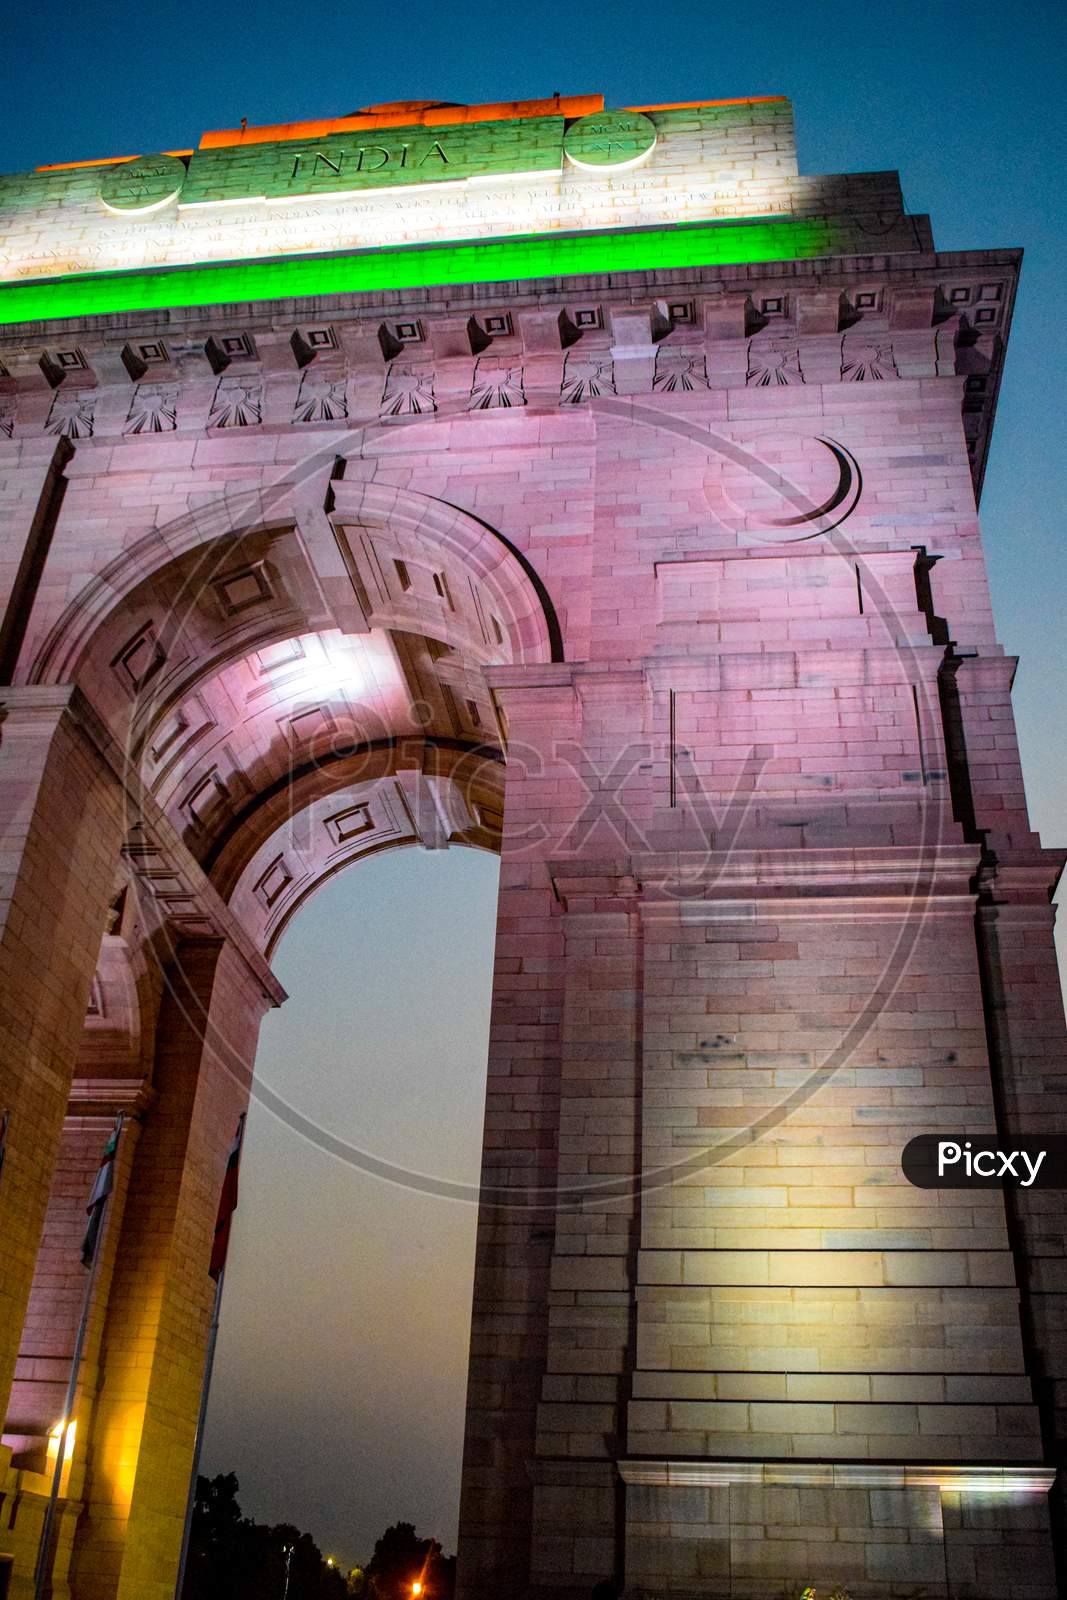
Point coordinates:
pixel 261 730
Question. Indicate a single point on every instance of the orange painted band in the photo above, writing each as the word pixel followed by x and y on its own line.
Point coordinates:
pixel 102 161
pixel 503 111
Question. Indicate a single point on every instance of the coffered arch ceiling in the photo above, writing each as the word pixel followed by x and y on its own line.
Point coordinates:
pixel 415 792
pixel 263 565
pixel 319 748
pixel 305 691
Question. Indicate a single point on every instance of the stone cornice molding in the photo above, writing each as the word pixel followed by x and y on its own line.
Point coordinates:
pixel 910 271
pixel 97 1099
pixel 952 1478
pixel 1023 878
pixel 801 883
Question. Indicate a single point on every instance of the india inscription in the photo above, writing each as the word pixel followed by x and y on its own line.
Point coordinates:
pixel 398 157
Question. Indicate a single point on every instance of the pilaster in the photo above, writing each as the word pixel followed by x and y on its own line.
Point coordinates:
pixel 154 1342
pixel 62 811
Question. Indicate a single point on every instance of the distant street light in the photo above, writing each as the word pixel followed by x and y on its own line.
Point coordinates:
pixel 288 1565
pixel 416 1589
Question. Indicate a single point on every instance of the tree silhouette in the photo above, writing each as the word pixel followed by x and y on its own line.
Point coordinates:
pixel 402 1559
pixel 233 1558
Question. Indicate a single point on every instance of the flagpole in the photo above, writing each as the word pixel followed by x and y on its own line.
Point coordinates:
pixel 205 1395
pixel 43 1549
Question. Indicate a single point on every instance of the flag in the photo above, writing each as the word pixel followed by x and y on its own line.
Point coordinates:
pixel 105 1182
pixel 227 1204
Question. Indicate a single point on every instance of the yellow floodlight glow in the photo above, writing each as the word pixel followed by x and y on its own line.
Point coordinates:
pixel 54 1436
pixel 1002 1482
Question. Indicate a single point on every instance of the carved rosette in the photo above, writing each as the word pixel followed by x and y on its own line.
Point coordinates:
pixel 154 409
pixel 409 391
pixel 72 415
pixel 238 403
pixel 770 365
pixel 321 398
pixel 496 384
pixel 863 361
pixel 586 377
pixel 680 371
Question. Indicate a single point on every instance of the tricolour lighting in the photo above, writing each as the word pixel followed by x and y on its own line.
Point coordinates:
pixel 375 271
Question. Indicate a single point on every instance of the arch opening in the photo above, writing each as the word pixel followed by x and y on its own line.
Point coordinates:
pixel 338 1396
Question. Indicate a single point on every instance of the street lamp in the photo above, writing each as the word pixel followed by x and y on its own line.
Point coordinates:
pixel 288 1565
pixel 416 1589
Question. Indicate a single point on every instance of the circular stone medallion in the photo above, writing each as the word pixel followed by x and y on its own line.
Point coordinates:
pixel 144 184
pixel 611 139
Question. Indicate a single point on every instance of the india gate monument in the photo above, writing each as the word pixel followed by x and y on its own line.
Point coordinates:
pixel 589 487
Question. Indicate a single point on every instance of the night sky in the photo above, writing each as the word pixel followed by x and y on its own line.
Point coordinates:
pixel 341 1373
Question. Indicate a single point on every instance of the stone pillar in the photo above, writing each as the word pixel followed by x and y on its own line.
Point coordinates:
pixel 980 725
pixel 56 1306
pixel 1024 1013
pixel 798 1301
pixel 154 1344
pixel 582 1415
pixel 517 1215
pixel 61 821
pixel 1023 1001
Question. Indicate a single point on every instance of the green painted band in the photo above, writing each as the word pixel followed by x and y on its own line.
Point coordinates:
pixel 480 261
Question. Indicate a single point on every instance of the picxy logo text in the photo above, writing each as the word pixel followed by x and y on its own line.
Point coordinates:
pixel 959 1161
